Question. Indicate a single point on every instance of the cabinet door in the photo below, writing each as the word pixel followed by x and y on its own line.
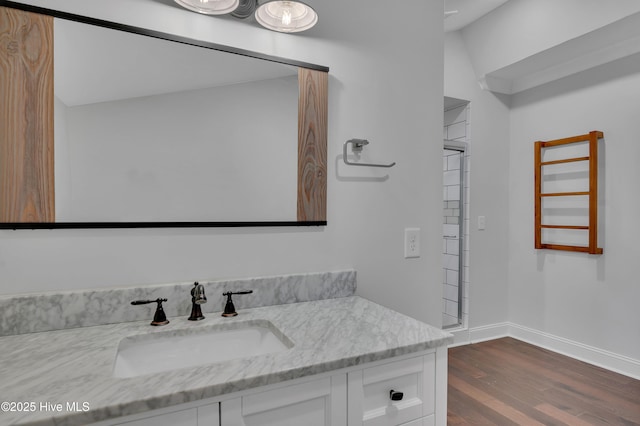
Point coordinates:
pixel 321 402
pixel 205 415
pixel 425 421
pixel 370 402
pixel 177 418
pixel 209 415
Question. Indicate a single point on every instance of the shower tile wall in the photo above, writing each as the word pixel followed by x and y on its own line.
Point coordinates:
pixel 456 128
pixel 451 232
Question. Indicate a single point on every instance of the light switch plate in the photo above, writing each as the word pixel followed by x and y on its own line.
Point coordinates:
pixel 411 242
pixel 482 223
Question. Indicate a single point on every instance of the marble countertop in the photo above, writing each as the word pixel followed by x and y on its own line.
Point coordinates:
pixel 76 365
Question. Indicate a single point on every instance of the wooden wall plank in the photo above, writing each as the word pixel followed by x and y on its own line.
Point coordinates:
pixel 26 117
pixel 593 192
pixel 312 145
pixel 537 161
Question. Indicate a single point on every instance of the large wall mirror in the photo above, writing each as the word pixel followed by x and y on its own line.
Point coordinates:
pixel 113 126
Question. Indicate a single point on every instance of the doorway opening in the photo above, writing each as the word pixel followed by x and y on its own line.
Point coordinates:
pixel 455 213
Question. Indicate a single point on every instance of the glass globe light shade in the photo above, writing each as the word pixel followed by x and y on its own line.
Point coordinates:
pixel 210 7
pixel 286 16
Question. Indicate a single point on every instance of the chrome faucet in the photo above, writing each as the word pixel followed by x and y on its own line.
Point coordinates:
pixel 197 298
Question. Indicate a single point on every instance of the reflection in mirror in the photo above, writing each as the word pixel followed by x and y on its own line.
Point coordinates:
pixel 152 130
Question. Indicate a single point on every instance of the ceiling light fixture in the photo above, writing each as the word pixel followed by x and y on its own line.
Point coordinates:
pixel 246 9
pixel 286 16
pixel 210 7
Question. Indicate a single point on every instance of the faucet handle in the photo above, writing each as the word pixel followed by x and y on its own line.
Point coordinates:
pixel 229 308
pixel 159 318
pixel 228 293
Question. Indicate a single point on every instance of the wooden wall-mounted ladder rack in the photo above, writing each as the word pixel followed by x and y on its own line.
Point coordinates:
pixel 592 159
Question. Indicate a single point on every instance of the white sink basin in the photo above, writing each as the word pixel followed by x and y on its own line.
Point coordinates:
pixel 171 350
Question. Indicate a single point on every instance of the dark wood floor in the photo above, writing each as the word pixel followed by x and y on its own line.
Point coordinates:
pixel 509 382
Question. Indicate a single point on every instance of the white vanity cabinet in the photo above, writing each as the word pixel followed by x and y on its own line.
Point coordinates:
pixel 357 396
pixel 393 393
pixel 320 402
pixel 354 396
pixel 204 415
pixel 178 418
pixel 315 402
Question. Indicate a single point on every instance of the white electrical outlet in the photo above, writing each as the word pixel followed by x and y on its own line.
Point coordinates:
pixel 411 242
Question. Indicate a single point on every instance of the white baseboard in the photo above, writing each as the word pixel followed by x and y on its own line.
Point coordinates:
pixel 479 334
pixel 592 355
pixel 460 337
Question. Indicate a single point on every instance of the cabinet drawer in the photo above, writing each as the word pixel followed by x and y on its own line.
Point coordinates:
pixel 425 421
pixel 370 402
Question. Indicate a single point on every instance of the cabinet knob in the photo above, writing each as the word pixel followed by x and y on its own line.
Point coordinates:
pixel 396 396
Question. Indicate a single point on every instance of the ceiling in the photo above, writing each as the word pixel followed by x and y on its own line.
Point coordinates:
pixel 468 11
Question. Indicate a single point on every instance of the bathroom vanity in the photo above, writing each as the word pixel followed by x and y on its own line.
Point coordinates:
pixel 345 361
pixel 353 396
pixel 66 357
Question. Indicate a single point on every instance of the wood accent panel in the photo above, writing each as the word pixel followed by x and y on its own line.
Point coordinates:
pixel 510 382
pixel 593 192
pixel 537 162
pixel 312 145
pixel 26 117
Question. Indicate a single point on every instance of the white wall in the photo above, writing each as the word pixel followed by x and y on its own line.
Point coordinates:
pixel 385 85
pixel 576 303
pixel 61 153
pixel 521 28
pixel 489 174
pixel 585 298
pixel 219 154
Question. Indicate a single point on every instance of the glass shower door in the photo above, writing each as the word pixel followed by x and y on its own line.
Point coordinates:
pixel 453 169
